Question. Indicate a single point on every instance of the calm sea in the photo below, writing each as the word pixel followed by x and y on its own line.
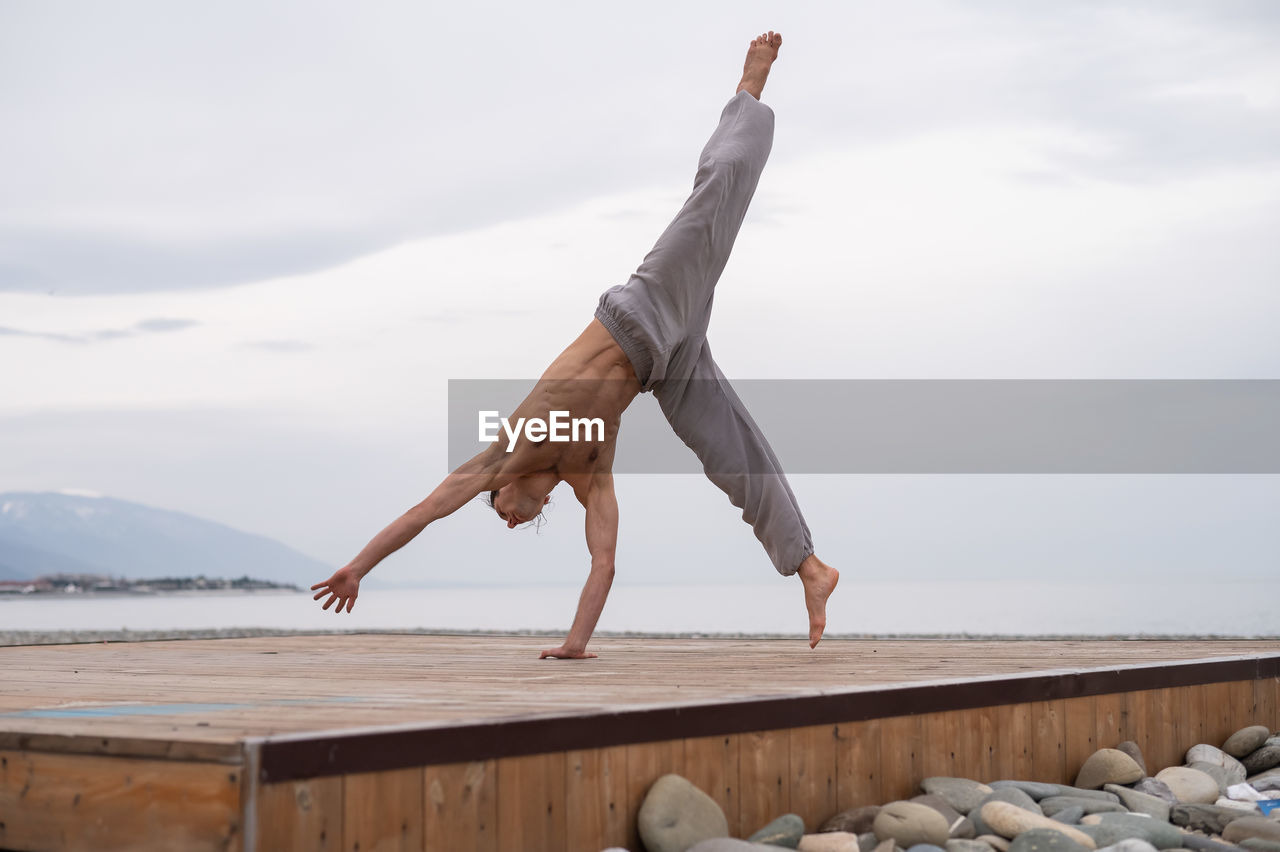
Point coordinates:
pixel 980 608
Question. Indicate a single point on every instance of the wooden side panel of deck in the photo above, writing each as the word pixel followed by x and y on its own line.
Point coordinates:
pixel 63 801
pixel 588 799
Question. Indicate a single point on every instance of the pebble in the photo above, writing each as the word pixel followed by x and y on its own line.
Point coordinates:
pixel 785 831
pixel 1130 748
pixel 1246 740
pixel 1054 804
pixel 1081 793
pixel 867 841
pixel 1211 819
pixel 722 844
pixel 908 823
pixel 1141 803
pixel 1130 845
pixel 1262 759
pixel 1245 806
pixel 960 793
pixel 1016 797
pixel 1205 753
pixel 1044 840
pixel 959 845
pixel 854 820
pixel 1252 826
pixel 926 847
pixel 1257 844
pixel 1157 788
pixel 1107 829
pixel 958 825
pixel 676 815
pixel 1069 816
pixel 1035 789
pixel 995 841
pixel 1189 785
pixel 832 841
pixel 1222 776
pixel 1108 766
pixel 1011 820
pixel 1196 843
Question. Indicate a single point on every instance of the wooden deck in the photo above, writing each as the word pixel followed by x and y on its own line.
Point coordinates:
pixel 238 742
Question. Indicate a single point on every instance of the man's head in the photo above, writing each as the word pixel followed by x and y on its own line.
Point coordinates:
pixel 519 501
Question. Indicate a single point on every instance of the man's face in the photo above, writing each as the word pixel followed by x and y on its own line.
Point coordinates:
pixel 515 506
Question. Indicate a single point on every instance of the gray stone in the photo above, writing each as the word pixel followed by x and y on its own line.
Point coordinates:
pixel 958 845
pixel 1011 820
pixel 1035 789
pixel 1014 796
pixel 1252 826
pixel 1203 753
pixel 1081 793
pixel 1142 803
pixel 1045 840
pixel 1130 748
pixel 785 831
pixel 676 815
pixel 1108 766
pixel 1211 819
pixel 1069 816
pixel 995 841
pixel 1258 844
pixel 958 825
pixel 1189 785
pixel 1107 829
pixel 1262 759
pixel 1246 741
pixel 960 793
pixel 725 844
pixel 1220 774
pixel 1267 780
pixel 1130 845
pixel 836 841
pixel 867 841
pixel 1155 787
pixel 926 847
pixel 908 823
pixel 854 820
pixel 1054 804
pixel 1196 843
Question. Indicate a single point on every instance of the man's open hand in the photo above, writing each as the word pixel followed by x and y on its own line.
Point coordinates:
pixel 343 587
pixel 563 653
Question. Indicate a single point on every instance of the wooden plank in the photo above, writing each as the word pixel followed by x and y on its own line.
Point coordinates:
pixel 1265 704
pixel 596 799
pixel 1109 729
pixel 938 745
pixel 1242 703
pixel 900 757
pixel 1138 719
pixel 764 786
pixel 382 811
pixel 1048 753
pixel 460 807
pixel 813 775
pixel 531 803
pixel 711 764
pixel 1080 733
pixel 646 763
pixel 983 742
pixel 300 816
pixel 858 764
pixel 58 801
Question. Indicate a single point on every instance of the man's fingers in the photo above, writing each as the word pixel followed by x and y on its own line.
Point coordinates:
pixel 351 603
pixel 333 597
pixel 320 593
pixel 318 585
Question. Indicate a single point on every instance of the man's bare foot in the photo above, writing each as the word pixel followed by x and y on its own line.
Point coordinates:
pixel 760 56
pixel 819 580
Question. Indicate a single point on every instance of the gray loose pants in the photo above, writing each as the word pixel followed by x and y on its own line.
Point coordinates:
pixel 659 318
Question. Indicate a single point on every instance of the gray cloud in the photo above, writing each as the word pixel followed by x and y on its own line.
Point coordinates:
pixel 332 135
pixel 146 326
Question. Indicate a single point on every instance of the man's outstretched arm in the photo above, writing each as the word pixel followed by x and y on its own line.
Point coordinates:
pixel 602 541
pixel 472 478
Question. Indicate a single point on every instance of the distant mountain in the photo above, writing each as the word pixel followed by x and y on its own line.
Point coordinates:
pixel 46 533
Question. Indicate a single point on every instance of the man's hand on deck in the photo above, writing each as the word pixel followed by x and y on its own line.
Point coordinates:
pixel 565 653
pixel 343 587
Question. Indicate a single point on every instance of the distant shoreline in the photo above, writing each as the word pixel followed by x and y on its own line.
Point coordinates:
pixel 75 637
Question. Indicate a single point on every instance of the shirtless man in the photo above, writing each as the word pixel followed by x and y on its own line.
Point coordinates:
pixel 647 335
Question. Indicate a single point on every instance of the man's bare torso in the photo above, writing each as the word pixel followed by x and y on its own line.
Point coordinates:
pixel 591 378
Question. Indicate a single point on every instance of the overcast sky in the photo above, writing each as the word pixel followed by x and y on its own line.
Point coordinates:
pixel 243 247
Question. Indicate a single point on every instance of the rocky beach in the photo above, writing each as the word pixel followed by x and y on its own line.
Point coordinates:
pixel 1223 798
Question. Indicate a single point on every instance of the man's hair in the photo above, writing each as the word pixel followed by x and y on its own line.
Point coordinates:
pixel 537 521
